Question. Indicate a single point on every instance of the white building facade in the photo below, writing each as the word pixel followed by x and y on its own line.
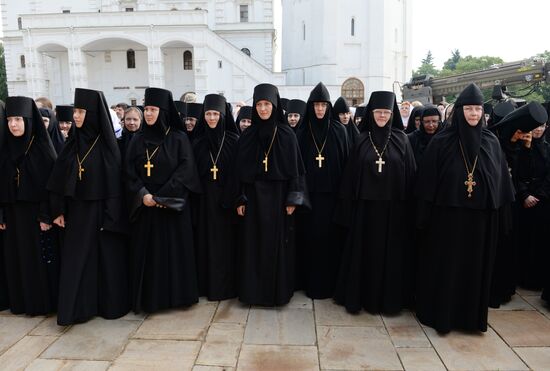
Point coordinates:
pixel 207 46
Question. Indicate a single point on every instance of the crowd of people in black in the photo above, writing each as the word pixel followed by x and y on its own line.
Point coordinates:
pixel 440 210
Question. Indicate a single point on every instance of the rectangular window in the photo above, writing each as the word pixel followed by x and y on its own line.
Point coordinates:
pixel 66 11
pixel 129 9
pixel 220 65
pixel 19 23
pixel 244 13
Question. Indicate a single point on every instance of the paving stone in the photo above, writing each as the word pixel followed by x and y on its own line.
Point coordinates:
pixel 408 337
pixel 536 358
pixel 516 303
pixel 165 355
pixel 232 311
pixel 184 324
pixel 24 352
pixel 96 340
pixel 474 351
pixel 225 332
pixel 278 358
pixel 283 326
pixel 12 329
pixel 212 368
pixel 219 353
pixel 405 318
pixel 420 359
pixel 300 300
pixel 49 327
pixel 356 348
pixel 134 316
pixel 521 328
pixel 328 313
pixel 539 304
pixel 67 365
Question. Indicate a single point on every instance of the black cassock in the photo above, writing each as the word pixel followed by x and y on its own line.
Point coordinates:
pixel 93 276
pixel 319 240
pixel 459 234
pixel 216 223
pixel 533 175
pixel 4 303
pixel 267 255
pixel 31 257
pixel 375 273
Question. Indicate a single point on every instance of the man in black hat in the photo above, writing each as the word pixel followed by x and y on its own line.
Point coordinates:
pixel 462 186
pixel 324 147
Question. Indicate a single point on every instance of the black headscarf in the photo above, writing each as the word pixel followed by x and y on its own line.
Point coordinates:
pixel 420 139
pixel 104 158
pixel 341 106
pixel 215 102
pixel 319 127
pixel 168 116
pixel 36 164
pixel 244 113
pixel 296 106
pixel 182 108
pixel 54 131
pixel 416 112
pixel 442 172
pixel 284 160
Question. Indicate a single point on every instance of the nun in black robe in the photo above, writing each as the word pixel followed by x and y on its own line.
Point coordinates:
pixel 86 189
pixel 194 111
pixel 56 136
pixel 414 120
pixel 245 113
pixel 3 156
pixel 341 106
pixel 375 198
pixel 64 113
pixel 160 173
pixel 324 148
pixel 462 185
pixel 215 239
pixel 358 117
pixel 30 245
pixel 268 184
pixel 296 106
pixel 420 139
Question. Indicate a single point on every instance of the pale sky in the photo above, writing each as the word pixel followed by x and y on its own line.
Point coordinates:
pixel 512 30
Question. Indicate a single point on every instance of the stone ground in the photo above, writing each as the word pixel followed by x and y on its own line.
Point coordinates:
pixel 304 335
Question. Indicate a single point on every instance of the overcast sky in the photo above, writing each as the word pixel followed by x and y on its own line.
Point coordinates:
pixel 512 30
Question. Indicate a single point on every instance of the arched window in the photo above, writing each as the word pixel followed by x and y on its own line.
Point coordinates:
pixel 131 58
pixel 187 60
pixel 354 91
pixel 22 60
pixel 353 27
pixel 246 51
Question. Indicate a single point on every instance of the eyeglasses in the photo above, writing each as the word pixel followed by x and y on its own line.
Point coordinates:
pixel 382 112
pixel 430 122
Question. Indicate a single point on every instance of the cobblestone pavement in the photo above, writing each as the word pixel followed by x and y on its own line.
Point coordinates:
pixel 303 335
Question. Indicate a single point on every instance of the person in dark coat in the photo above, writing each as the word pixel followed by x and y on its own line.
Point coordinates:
pixel 375 206
pixel 160 173
pixel 215 240
pixel 462 185
pixel 52 126
pixel 342 114
pixel 268 184
pixel 324 147
pixel 430 124
pixel 30 244
pixel 244 118
pixel 85 190
pixel 295 113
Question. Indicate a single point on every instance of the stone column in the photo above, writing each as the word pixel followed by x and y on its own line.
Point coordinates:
pixel 34 68
pixel 156 61
pixel 78 70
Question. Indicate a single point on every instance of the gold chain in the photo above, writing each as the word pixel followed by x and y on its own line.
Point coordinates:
pixel 149 158
pixel 214 162
pixel 269 149
pixel 17 167
pixel 80 162
pixel 319 151
pixel 376 149
pixel 470 182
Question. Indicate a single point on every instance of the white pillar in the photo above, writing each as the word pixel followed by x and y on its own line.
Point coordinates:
pixel 156 61
pixel 34 68
pixel 78 70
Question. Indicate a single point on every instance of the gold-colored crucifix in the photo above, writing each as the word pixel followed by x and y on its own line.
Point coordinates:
pixel 148 166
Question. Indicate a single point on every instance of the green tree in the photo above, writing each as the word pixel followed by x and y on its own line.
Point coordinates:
pixel 451 63
pixel 3 81
pixel 470 63
pixel 427 67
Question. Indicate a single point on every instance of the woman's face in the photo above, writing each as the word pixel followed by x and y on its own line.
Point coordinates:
pixel 430 124
pixel 245 124
pixel 538 132
pixel 320 109
pixel 381 116
pixel 65 126
pixel 79 115
pixel 264 109
pixel 472 114
pixel 293 119
pixel 46 121
pixel 151 114
pixel 132 121
pixel 212 117
pixel 190 123
pixel 16 124
pixel 344 117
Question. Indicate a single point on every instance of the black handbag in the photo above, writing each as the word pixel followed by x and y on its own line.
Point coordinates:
pixel 172 203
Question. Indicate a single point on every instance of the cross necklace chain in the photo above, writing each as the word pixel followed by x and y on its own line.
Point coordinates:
pixel 470 182
pixel 320 156
pixel 380 162
pixel 80 162
pixel 214 169
pixel 148 165
pixel 269 149
pixel 18 176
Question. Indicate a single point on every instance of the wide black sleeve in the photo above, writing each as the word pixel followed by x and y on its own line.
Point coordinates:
pixel 57 205
pixel 297 193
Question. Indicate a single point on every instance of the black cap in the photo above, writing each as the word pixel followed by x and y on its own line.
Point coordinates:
pixel 487 108
pixel 525 118
pixel 266 92
pixel 430 111
pixel 64 113
pixel 86 99
pixel 181 107
pixel 19 106
pixel 158 97
pixel 214 102
pixel 360 111
pixel 340 106
pixel 319 94
pixel 471 95
pixel 502 109
pixel 284 103
pixel 245 113
pixel 194 110
pixel 296 106
pixel 382 99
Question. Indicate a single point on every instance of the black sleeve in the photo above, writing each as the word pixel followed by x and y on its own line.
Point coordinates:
pixel 57 205
pixel 297 193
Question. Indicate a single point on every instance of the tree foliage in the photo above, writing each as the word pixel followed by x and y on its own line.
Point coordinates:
pixel 427 67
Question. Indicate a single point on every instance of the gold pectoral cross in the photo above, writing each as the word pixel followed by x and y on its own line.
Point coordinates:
pixel 470 183
pixel 148 166
pixel 214 171
pixel 380 162
pixel 320 158
pixel 265 163
pixel 80 171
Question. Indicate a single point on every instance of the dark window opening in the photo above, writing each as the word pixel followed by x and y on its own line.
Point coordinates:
pixel 246 51
pixel 19 23
pixel 244 13
pixel 131 58
pixel 22 61
pixel 353 27
pixel 187 60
